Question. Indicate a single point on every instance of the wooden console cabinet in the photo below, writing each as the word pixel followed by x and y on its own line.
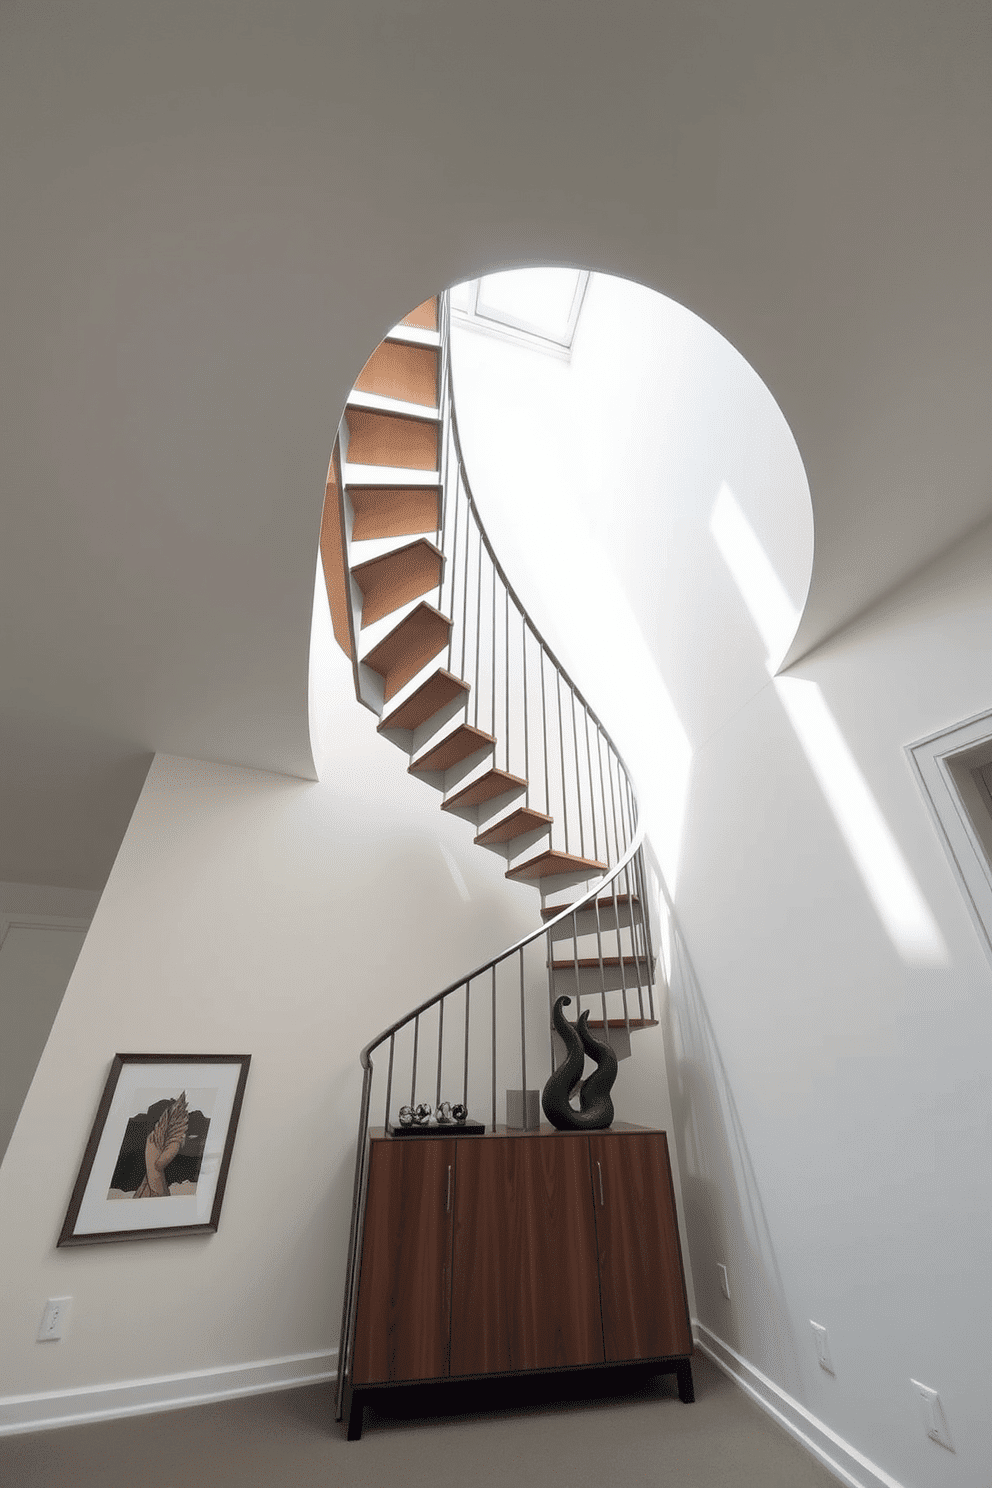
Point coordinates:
pixel 516 1252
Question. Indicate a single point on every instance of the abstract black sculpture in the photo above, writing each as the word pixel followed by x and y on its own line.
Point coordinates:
pixel 595 1106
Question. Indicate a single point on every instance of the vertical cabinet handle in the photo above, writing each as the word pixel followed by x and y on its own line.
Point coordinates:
pixel 447 1201
pixel 599 1170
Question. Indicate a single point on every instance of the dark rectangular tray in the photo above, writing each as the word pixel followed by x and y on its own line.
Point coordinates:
pixel 438 1129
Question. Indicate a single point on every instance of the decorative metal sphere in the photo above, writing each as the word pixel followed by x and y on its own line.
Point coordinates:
pixel 443 1113
pixel 406 1116
pixel 422 1114
pixel 459 1112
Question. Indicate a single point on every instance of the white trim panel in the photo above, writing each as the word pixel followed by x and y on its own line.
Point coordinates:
pixel 931 760
pixel 837 1455
pixel 19 921
pixel 73 1407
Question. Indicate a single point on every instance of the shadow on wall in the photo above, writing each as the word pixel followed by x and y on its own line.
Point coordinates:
pixel 715 1163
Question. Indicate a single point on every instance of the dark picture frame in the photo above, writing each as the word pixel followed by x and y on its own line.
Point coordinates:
pixel 165 1124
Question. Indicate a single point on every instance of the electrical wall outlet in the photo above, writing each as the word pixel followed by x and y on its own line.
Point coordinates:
pixel 724 1283
pixel 934 1421
pixel 54 1319
pixel 822 1346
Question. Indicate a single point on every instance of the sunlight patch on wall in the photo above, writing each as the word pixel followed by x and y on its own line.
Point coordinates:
pixel 886 875
pixel 770 607
pixel 884 871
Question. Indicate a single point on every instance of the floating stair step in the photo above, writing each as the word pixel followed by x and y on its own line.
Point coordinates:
pixel 592 963
pixel 623 1022
pixel 393 579
pixel 549 912
pixel 419 637
pixel 394 511
pixel 391 439
pixel 515 825
pixel 430 697
pixel 554 861
pixel 484 788
pixel 463 741
pixel 397 369
pixel 424 316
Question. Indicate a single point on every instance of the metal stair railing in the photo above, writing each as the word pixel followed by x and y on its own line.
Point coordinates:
pixel 501 1050
pixel 471 1039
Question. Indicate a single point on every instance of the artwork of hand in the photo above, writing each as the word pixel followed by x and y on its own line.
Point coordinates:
pixel 161 1146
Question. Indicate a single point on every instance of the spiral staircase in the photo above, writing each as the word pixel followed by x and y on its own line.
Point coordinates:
pixel 444 653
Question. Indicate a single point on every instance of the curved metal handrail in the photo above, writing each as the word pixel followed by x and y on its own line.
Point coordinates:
pixel 567 913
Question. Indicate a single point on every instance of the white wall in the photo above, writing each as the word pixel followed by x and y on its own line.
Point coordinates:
pixel 829 1018
pixel 598 479
pixel 259 913
pixel 41 932
pixel 831 1082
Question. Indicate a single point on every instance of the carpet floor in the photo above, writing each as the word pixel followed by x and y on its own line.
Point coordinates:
pixel 539 1438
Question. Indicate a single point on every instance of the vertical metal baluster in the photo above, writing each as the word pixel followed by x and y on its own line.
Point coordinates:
pixel 578 786
pixel 613 800
pixel 523 637
pixel 454 578
pixel 544 725
pixel 523 1029
pixel 646 912
pixel 351 1267
pixel 561 756
pixel 623 969
pixel 506 673
pixel 389 1078
pixel 494 1049
pixel 551 996
pixel 478 624
pixel 592 789
pixel 468 544
pixel 602 788
pixel 468 1000
pixel 641 876
pixel 602 970
pixel 440 1042
pixel 493 729
pixel 413 1078
pixel 575 953
pixel 642 980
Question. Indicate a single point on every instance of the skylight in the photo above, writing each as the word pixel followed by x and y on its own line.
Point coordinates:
pixel 539 307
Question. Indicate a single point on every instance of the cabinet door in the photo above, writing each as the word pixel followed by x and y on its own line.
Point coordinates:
pixel 403 1325
pixel 525 1290
pixel 645 1314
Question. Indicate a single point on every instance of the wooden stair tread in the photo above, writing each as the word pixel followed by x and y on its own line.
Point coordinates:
pixel 430 697
pixel 376 438
pixel 549 912
pixel 419 637
pixel 515 825
pixel 624 1023
pixel 401 369
pixel 485 788
pixel 393 579
pixel 393 511
pixel 588 963
pixel 425 315
pixel 463 741
pixel 553 861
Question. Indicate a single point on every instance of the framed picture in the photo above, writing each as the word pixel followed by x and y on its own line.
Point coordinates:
pixel 157 1158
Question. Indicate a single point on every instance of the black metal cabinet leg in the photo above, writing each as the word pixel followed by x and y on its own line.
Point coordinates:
pixel 683 1373
pixel 354 1408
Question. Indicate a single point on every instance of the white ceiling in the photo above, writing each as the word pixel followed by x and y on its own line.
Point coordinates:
pixel 211 213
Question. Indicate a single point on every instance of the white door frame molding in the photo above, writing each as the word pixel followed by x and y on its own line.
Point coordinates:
pixel 944 764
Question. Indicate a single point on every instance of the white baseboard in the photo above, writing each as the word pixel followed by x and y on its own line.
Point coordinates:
pixel 838 1456
pixel 165 1392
